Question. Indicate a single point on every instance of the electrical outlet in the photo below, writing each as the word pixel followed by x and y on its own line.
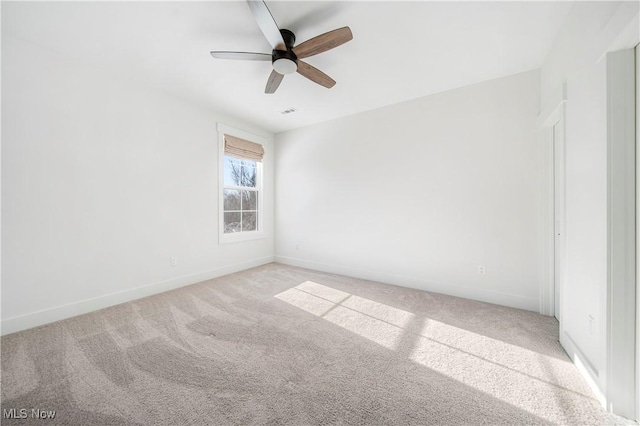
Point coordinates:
pixel 297 247
pixel 482 270
pixel 174 260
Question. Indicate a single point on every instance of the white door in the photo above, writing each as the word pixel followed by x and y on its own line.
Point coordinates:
pixel 558 203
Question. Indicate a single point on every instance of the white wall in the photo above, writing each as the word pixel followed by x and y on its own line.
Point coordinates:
pixel 421 193
pixel 576 59
pixel 103 180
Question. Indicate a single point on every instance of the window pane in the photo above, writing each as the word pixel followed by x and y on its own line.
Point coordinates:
pixel 249 221
pixel 249 174
pixel 231 199
pixel 232 171
pixel 231 222
pixel 249 200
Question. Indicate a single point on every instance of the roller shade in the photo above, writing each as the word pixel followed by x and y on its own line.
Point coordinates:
pixel 242 148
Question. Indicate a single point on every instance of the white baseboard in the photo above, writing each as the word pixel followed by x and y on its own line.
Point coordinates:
pixel 499 298
pixel 34 319
pixel 584 366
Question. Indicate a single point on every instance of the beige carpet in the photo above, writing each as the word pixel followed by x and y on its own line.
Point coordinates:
pixel 282 345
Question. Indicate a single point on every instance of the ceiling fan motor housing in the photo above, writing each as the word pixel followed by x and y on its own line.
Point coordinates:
pixel 285 61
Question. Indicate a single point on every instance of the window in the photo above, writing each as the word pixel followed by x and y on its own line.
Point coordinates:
pixel 240 185
pixel 240 195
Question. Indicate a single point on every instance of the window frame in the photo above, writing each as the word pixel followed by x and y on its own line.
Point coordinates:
pixel 225 238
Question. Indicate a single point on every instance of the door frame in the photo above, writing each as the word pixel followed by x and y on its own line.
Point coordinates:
pixel 547 120
pixel 637 50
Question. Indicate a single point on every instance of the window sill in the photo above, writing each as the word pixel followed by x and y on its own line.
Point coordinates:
pixel 240 236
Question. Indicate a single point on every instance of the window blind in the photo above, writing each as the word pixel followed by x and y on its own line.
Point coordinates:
pixel 242 148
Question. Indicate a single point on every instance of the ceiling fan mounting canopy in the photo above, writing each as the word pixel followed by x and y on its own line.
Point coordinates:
pixel 285 58
pixel 289 38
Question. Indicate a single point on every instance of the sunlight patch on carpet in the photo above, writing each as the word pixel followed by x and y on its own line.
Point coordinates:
pixel 518 376
pixel 375 321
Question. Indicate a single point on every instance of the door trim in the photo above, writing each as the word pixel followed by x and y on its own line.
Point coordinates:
pixel 637 49
pixel 552 115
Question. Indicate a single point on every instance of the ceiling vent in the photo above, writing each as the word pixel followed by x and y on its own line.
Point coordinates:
pixel 288 111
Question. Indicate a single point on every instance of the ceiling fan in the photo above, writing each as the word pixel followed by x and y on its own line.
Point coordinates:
pixel 285 58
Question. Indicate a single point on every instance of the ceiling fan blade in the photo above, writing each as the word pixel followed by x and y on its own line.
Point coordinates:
pixel 267 24
pixel 315 75
pixel 248 56
pixel 323 42
pixel 273 82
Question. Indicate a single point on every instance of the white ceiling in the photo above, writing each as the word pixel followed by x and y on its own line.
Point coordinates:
pixel 400 50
